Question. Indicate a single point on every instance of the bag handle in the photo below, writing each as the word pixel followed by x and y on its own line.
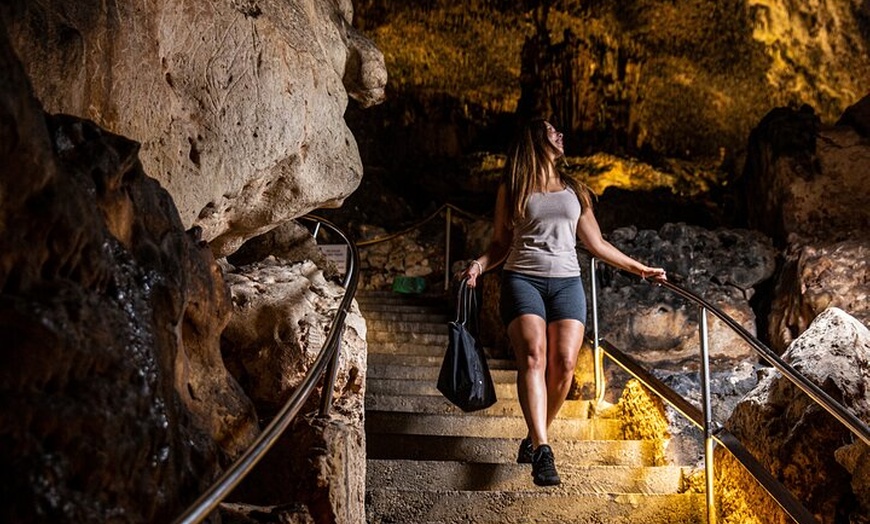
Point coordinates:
pixel 466 301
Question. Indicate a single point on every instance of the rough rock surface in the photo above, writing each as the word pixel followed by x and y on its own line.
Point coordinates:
pixel 805 185
pixel 806 179
pixel 281 317
pixel 238 105
pixel 116 403
pixel 802 445
pixel 683 78
pixel 723 266
pixel 817 275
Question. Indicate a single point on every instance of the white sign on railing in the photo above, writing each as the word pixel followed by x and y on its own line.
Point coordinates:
pixel 337 254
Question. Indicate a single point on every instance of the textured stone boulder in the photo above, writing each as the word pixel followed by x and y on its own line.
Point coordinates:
pixel 806 186
pixel 723 266
pixel 116 405
pixel 238 105
pixel 282 314
pixel 815 456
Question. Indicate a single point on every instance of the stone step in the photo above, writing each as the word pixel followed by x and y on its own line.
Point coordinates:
pixel 391 386
pixel 438 338
pixel 632 453
pixel 429 475
pixel 372 295
pixel 386 316
pixel 473 425
pixel 430 373
pixel 398 308
pixel 397 325
pixel 407 348
pixel 441 406
pixel 430 360
pixel 534 505
pixel 379 303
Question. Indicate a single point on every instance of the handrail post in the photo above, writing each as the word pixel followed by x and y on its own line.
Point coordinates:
pixel 708 416
pixel 597 352
pixel 447 250
pixel 329 381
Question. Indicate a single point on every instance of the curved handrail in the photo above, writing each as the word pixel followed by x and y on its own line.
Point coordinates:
pixel 703 418
pixel 328 356
pixel 847 418
pixel 837 410
pixel 783 496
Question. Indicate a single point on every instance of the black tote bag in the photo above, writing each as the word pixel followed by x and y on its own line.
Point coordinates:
pixel 465 379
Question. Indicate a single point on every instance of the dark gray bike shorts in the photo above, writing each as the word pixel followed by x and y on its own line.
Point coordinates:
pixel 551 298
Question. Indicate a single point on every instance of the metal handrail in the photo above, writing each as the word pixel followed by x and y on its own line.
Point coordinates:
pixel 704 418
pixel 773 486
pixel 326 361
pixel 837 410
pixel 449 209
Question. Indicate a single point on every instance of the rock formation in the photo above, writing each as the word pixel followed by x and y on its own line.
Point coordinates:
pixel 238 105
pixel 723 266
pixel 282 314
pixel 816 457
pixel 115 399
pixel 680 79
pixel 805 186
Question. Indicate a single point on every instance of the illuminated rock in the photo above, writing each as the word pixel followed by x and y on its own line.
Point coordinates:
pixel 239 108
pixel 800 443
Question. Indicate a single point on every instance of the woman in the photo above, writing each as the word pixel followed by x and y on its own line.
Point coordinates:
pixel 539 214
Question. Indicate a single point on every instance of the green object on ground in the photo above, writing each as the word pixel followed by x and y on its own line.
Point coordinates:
pixel 409 285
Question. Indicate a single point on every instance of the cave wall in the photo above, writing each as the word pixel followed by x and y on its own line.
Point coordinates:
pixel 115 400
pixel 238 106
pixel 685 79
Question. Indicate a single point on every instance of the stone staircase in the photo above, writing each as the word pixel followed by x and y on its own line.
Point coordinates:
pixel 429 462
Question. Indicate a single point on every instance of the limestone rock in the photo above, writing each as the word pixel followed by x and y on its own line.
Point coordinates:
pixel 115 398
pixel 805 179
pixel 282 313
pixel 723 266
pixel 805 185
pixel 238 105
pixel 796 439
pixel 816 275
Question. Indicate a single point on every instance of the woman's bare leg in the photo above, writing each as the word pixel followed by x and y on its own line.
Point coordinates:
pixel 528 336
pixel 565 338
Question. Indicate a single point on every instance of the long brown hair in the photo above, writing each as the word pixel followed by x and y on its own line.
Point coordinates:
pixel 529 154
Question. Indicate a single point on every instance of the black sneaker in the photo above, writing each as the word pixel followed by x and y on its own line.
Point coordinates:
pixel 526 451
pixel 544 467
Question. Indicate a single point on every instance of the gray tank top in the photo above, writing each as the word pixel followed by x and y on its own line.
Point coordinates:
pixel 544 241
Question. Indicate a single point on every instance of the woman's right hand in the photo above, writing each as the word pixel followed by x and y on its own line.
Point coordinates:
pixel 474 270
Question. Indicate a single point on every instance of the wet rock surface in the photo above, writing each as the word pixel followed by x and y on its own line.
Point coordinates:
pixel 116 403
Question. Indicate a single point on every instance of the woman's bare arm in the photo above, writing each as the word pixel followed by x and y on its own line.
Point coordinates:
pixel 589 232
